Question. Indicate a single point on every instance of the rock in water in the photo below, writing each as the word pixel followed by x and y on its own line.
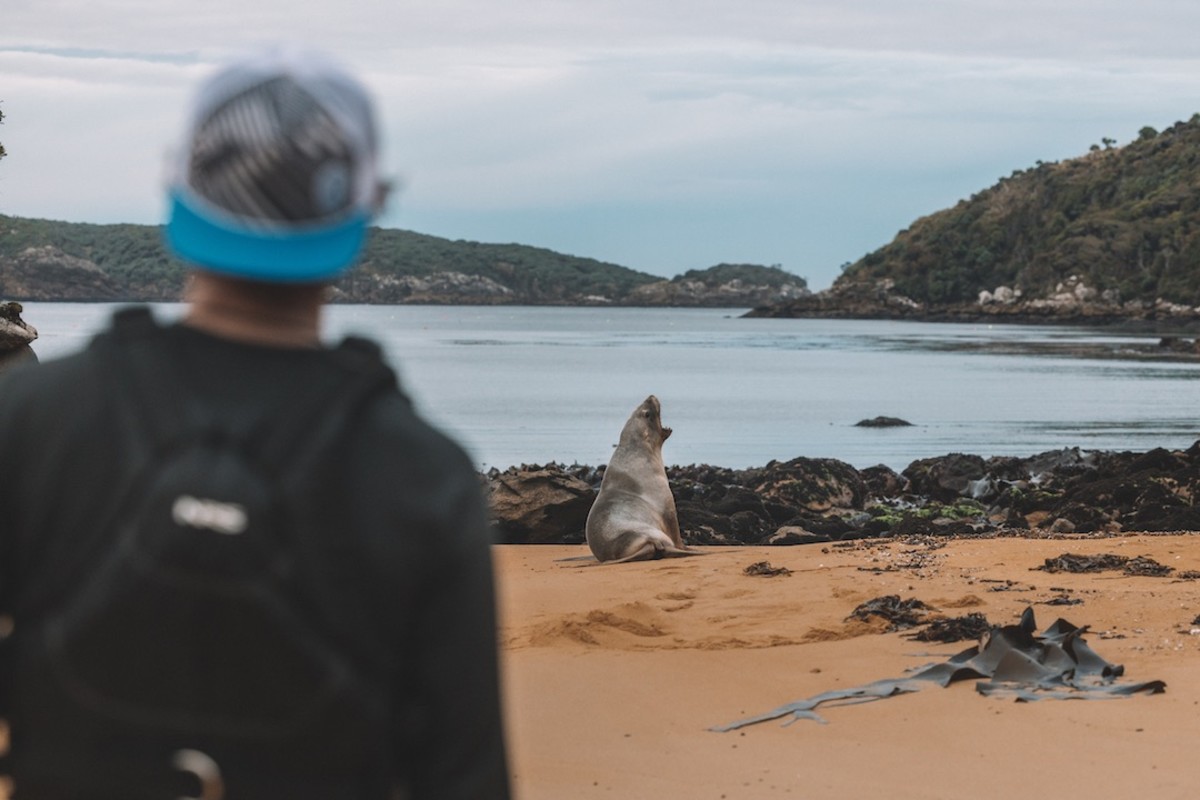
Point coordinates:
pixel 15 333
pixel 883 422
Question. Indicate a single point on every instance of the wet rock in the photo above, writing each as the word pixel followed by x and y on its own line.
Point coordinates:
pixel 911 524
pixel 779 512
pixel 834 527
pixel 1011 518
pixel 694 516
pixel 1068 461
pixel 814 484
pixel 1117 495
pixel 537 505
pixel 15 333
pixel 747 526
pixel 1156 460
pixel 883 481
pixel 945 478
pixel 705 535
pixel 962 528
pixel 1079 518
pixel 1060 525
pixel 1007 469
pixel 883 422
pixel 737 499
pixel 1164 518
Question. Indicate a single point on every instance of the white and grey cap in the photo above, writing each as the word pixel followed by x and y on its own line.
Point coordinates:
pixel 277 177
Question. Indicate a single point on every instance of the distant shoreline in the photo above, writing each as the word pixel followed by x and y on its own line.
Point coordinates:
pixel 1142 321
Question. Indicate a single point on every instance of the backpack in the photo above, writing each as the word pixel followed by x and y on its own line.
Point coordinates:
pixel 194 629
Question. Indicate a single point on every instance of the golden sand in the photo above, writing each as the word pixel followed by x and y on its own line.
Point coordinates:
pixel 615 673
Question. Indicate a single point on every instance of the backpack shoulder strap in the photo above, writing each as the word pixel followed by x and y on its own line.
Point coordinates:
pixel 286 441
pixel 136 350
pixel 304 431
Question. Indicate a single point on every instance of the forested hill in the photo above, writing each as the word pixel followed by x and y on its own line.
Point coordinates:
pixel 45 260
pixel 1115 232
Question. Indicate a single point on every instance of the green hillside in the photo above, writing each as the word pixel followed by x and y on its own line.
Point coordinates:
pixel 1125 220
pixel 134 259
pixel 535 273
pixel 45 260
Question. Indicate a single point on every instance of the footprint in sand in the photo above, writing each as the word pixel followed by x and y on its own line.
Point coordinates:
pixel 602 626
pixel 676 601
pixel 966 601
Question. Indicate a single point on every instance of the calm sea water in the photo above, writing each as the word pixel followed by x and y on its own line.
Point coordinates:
pixel 532 385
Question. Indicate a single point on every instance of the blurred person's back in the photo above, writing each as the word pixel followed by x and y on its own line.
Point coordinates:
pixel 236 563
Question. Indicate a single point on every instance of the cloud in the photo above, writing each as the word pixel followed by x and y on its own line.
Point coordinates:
pixel 86 135
pixel 663 135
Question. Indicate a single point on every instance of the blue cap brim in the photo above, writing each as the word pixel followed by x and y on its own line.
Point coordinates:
pixel 306 256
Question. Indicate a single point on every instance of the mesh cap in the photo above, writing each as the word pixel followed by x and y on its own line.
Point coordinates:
pixel 276 179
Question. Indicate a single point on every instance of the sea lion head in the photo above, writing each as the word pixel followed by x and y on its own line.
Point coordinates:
pixel 645 424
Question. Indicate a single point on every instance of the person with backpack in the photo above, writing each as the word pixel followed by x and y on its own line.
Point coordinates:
pixel 234 564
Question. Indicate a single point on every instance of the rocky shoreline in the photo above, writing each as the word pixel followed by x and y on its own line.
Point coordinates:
pixel 811 500
pixel 1072 302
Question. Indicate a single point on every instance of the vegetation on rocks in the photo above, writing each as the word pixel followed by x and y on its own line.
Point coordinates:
pixel 1124 220
pixel 1113 234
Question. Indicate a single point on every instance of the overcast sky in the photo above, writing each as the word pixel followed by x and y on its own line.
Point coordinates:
pixel 663 135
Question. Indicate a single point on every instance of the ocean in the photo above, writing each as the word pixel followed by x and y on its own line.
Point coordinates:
pixel 520 385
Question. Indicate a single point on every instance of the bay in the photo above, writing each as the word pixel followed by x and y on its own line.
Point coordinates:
pixel 532 385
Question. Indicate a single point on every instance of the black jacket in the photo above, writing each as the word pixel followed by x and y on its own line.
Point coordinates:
pixel 400 546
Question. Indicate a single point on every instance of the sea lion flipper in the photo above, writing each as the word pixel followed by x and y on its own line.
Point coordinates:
pixel 648 551
pixel 680 552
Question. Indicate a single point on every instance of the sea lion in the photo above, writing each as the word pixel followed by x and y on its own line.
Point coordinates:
pixel 633 518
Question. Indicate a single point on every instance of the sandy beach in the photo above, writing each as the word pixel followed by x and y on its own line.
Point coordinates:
pixel 615 674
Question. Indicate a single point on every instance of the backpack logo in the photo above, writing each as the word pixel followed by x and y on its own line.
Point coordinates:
pixel 225 518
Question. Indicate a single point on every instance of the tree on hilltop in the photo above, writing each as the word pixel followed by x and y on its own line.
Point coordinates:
pixel 2 153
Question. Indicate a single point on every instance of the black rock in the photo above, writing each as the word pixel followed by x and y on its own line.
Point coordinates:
pixel 883 422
